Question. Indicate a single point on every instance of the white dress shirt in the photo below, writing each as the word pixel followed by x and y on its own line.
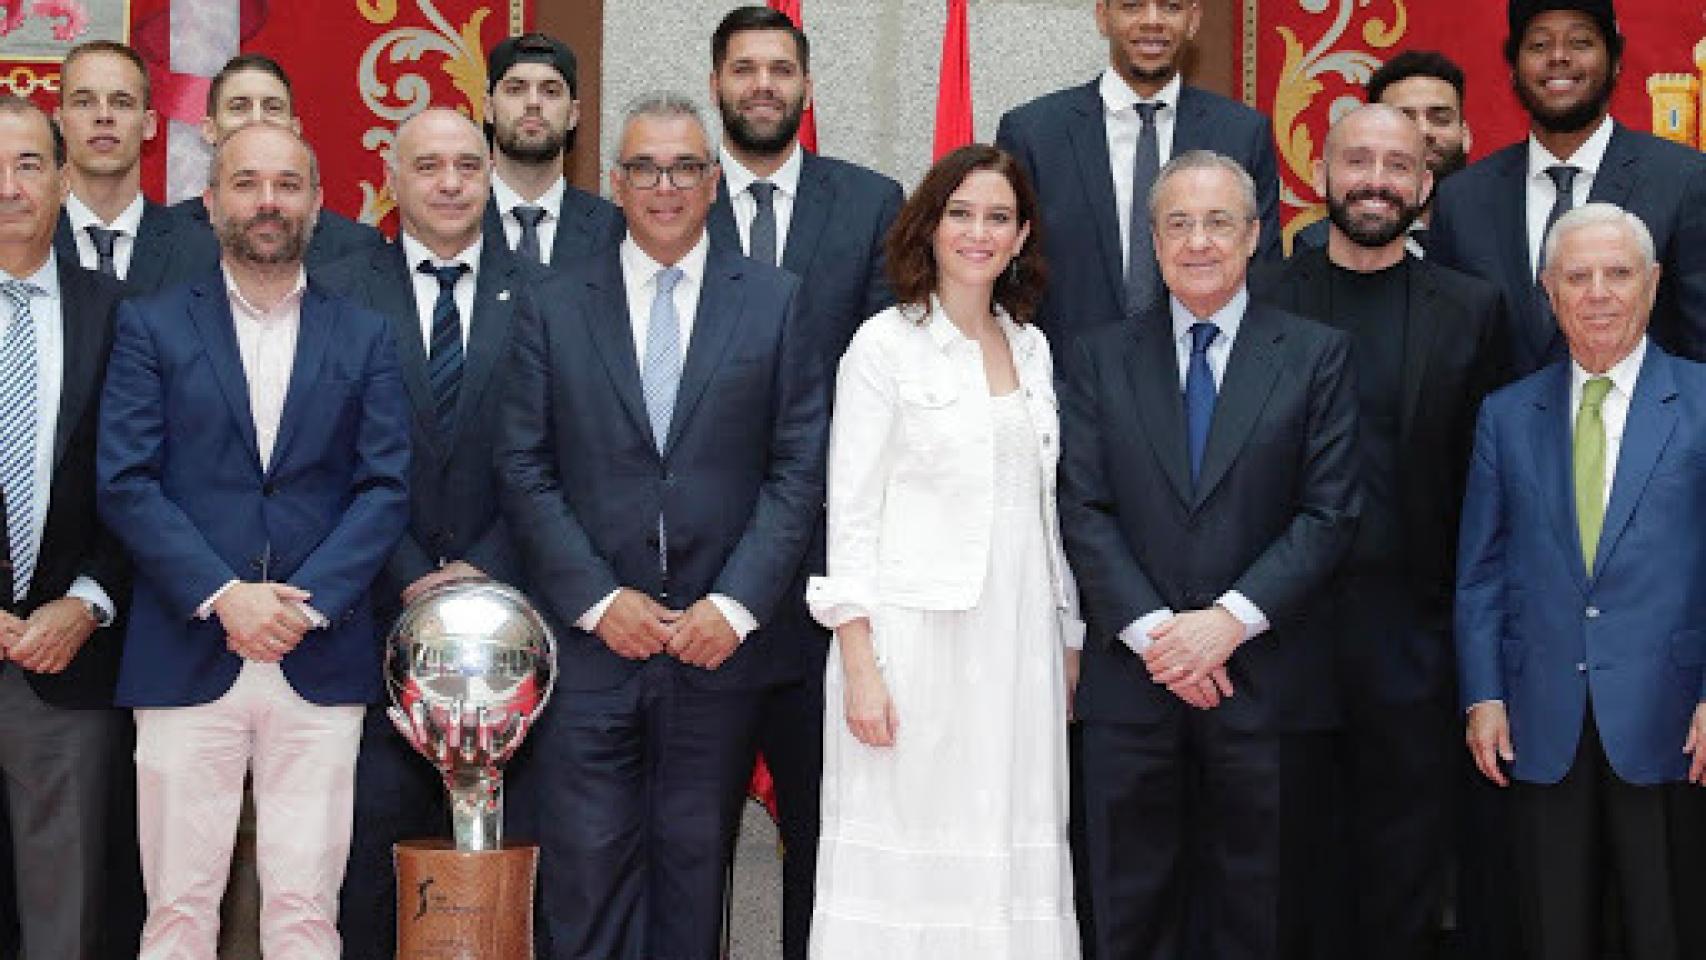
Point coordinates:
pixel 745 208
pixel 1123 127
pixel 1228 318
pixel 1614 413
pixel 49 325
pixel 640 279
pixel 1542 193
pixel 426 284
pixel 124 245
pixel 551 201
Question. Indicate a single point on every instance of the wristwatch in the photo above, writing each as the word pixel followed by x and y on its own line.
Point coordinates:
pixel 98 613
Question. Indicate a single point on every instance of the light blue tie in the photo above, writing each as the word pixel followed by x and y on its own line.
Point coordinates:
pixel 18 432
pixel 660 370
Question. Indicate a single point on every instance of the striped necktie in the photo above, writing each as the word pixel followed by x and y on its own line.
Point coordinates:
pixel 18 432
pixel 444 358
pixel 660 369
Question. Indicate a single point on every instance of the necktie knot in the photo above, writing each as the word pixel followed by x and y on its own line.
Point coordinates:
pixel 528 215
pixel 1563 176
pixel 763 193
pixel 1147 109
pixel 447 275
pixel 102 238
pixel 668 277
pixel 1202 336
pixel 17 293
pixel 1593 393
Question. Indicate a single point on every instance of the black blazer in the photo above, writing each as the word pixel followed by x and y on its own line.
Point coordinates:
pixel 740 483
pixel 335 237
pixel 74 541
pixel 842 284
pixel 1062 143
pixel 1480 226
pixel 1273 514
pixel 1454 355
pixel 453 491
pixel 164 253
pixel 586 225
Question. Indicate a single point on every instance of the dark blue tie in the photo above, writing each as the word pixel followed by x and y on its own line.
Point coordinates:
pixel 529 217
pixel 444 356
pixel 1199 394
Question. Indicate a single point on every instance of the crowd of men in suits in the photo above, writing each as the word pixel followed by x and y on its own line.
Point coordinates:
pixel 239 435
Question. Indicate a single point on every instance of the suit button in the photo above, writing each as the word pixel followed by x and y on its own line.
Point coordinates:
pixel 1593 613
pixel 652 540
pixel 268 489
pixel 1581 668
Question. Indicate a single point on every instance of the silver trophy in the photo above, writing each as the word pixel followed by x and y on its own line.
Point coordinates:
pixel 469 666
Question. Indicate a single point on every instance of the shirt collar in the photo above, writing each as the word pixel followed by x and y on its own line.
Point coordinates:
pixel 414 252
pixel 127 222
pixel 738 178
pixel 551 201
pixel 942 331
pixel 1117 95
pixel 291 299
pixel 1623 373
pixel 638 264
pixel 1227 318
pixel 45 278
pixel 1588 157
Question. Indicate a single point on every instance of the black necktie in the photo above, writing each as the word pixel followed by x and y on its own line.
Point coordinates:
pixel 104 241
pixel 1564 180
pixel 444 357
pixel 1142 282
pixel 529 217
pixel 762 246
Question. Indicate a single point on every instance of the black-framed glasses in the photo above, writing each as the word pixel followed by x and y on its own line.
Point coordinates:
pixel 683 174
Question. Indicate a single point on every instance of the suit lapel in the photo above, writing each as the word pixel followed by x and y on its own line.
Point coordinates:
pixel 1420 328
pixel 488 330
pixel 1088 133
pixel 313 335
pixel 148 255
pixel 1509 217
pixel 812 203
pixel 64 242
pixel 721 224
pixel 1158 399
pixel 1553 463
pixel 714 323
pixel 1249 378
pixel 391 291
pixel 1189 122
pixel 80 326
pixel 612 335
pixel 1652 419
pixel 210 311
pixel 1618 170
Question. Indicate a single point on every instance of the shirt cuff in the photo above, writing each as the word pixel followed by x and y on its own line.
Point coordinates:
pixel 589 620
pixel 737 615
pixel 90 592
pixel 314 616
pixel 206 609
pixel 1136 635
pixel 1480 703
pixel 1255 622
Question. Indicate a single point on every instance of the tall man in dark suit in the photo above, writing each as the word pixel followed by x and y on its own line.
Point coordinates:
pixel 1091 150
pixel 531 112
pixel 1580 592
pixel 1208 491
pixel 254 457
pixel 107 224
pixel 823 220
pixel 63 572
pixel 661 451
pixel 1427 344
pixel 440 271
pixel 253 88
pixel 1491 220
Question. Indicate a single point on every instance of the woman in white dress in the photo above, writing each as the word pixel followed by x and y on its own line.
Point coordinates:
pixel 956 628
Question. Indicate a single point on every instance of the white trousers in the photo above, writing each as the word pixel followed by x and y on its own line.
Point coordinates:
pixel 190 765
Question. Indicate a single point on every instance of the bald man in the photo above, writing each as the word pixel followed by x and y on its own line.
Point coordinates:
pixel 450 294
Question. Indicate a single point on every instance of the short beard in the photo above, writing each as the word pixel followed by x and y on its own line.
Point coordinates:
pixel 1158 77
pixel 536 153
pixel 1449 163
pixel 752 140
pixel 1362 233
pixel 1571 119
pixel 234 239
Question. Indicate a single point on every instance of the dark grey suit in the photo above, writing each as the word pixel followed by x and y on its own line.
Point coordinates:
pixel 164 251
pixel 586 224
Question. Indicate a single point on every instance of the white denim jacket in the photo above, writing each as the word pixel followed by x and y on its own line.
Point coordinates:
pixel 912 469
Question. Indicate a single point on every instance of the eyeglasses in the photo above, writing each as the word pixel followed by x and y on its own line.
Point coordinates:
pixel 1218 226
pixel 646 175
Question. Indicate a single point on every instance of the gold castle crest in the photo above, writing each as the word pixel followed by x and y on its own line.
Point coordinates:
pixel 1679 102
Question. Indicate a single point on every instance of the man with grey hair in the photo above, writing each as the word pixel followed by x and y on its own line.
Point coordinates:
pixel 253 456
pixel 1209 488
pixel 1580 575
pixel 450 292
pixel 661 456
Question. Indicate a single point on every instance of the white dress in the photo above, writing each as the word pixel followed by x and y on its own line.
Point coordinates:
pixel 952 843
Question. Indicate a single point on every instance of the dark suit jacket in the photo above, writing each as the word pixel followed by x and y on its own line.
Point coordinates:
pixel 1454 355
pixel 1535 629
pixel 182 485
pixel 453 494
pixel 1061 141
pixel 335 237
pixel 74 541
pixel 739 486
pixel 835 247
pixel 1274 512
pixel 587 224
pixel 164 254
pixel 1480 226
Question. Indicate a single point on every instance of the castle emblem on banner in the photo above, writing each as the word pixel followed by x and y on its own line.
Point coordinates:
pixel 1679 102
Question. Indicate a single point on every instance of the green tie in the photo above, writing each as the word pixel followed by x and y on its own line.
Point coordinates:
pixel 1589 461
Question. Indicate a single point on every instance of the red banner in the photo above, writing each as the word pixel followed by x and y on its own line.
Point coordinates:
pixel 1305 60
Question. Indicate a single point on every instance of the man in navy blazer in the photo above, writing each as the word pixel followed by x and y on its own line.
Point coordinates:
pixel 253 457
pixel 761 79
pixel 1581 590
pixel 1084 148
pixel 450 294
pixel 1491 219
pixel 661 452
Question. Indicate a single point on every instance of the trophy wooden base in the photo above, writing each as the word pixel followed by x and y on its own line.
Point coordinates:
pixel 464 905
